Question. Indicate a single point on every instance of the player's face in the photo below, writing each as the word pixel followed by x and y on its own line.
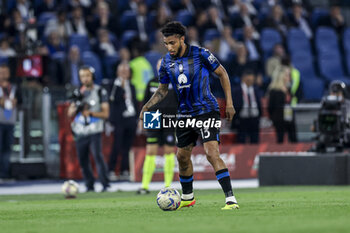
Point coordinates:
pixel 86 78
pixel 174 44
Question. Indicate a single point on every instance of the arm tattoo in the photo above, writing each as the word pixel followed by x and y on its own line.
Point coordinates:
pixel 160 94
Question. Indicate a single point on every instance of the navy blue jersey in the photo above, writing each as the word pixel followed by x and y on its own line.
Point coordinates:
pixel 189 76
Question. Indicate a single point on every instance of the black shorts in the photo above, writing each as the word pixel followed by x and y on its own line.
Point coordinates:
pixel 189 135
pixel 161 137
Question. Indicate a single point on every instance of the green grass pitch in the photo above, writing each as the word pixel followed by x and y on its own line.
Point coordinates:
pixel 269 209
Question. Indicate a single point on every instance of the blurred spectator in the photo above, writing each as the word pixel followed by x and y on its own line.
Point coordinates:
pixel 129 5
pixel 334 20
pixel 78 22
pixel 71 67
pixel 42 50
pixel 124 54
pixel 236 7
pixel 10 99
pixel 104 47
pixel 123 109
pixel 5 49
pixel 201 23
pixel 214 22
pixel 295 86
pixel 252 45
pixel 84 4
pixel 104 20
pixel 288 4
pixel 192 38
pixel 162 17
pixel 143 26
pixel 55 43
pixel 46 6
pixel 158 45
pixel 18 25
pixel 244 18
pixel 227 44
pixel 24 7
pixel 188 5
pixel 275 60
pixel 61 25
pixel 277 20
pixel 141 69
pixel 279 108
pixel 300 21
pixel 5 22
pixel 165 4
pixel 247 99
pixel 240 62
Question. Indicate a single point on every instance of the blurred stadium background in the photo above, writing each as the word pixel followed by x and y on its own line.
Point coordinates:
pixel 101 33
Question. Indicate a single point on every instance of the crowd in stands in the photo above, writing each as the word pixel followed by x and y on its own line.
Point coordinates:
pixel 263 38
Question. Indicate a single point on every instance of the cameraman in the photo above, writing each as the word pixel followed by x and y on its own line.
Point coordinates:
pixel 332 125
pixel 90 109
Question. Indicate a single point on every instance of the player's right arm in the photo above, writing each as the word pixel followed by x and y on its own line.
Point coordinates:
pixel 158 96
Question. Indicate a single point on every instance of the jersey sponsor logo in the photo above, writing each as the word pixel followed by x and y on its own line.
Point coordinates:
pixel 182 80
pixel 211 58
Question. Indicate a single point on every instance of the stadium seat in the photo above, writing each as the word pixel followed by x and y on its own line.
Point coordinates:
pixel 45 17
pixel 211 34
pixel 303 61
pixel 330 66
pixel 313 89
pixel 81 41
pixel 185 17
pixel 153 57
pixel 297 41
pixel 151 3
pixel 316 15
pixel 91 59
pixel 269 37
pixel 326 39
pixel 346 39
pixel 128 21
pixel 10 5
pixel 128 36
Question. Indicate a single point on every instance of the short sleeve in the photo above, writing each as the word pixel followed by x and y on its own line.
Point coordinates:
pixel 163 74
pixel 104 95
pixel 209 60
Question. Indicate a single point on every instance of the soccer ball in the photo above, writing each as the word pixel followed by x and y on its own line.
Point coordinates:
pixel 168 199
pixel 70 189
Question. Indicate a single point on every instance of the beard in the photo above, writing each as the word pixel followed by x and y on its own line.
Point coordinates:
pixel 178 52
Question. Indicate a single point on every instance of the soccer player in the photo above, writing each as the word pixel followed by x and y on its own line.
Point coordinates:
pixel 159 138
pixel 188 68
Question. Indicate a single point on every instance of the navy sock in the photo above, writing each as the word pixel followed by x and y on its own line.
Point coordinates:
pixel 223 176
pixel 187 184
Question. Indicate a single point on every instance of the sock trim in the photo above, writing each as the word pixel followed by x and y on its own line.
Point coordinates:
pixel 222 175
pixel 186 179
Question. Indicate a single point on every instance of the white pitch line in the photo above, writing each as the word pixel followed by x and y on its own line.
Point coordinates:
pixel 118 186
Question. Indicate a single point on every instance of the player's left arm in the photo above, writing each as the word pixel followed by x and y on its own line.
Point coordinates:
pixel 226 86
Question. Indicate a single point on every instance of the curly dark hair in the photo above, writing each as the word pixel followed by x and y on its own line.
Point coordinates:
pixel 173 28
